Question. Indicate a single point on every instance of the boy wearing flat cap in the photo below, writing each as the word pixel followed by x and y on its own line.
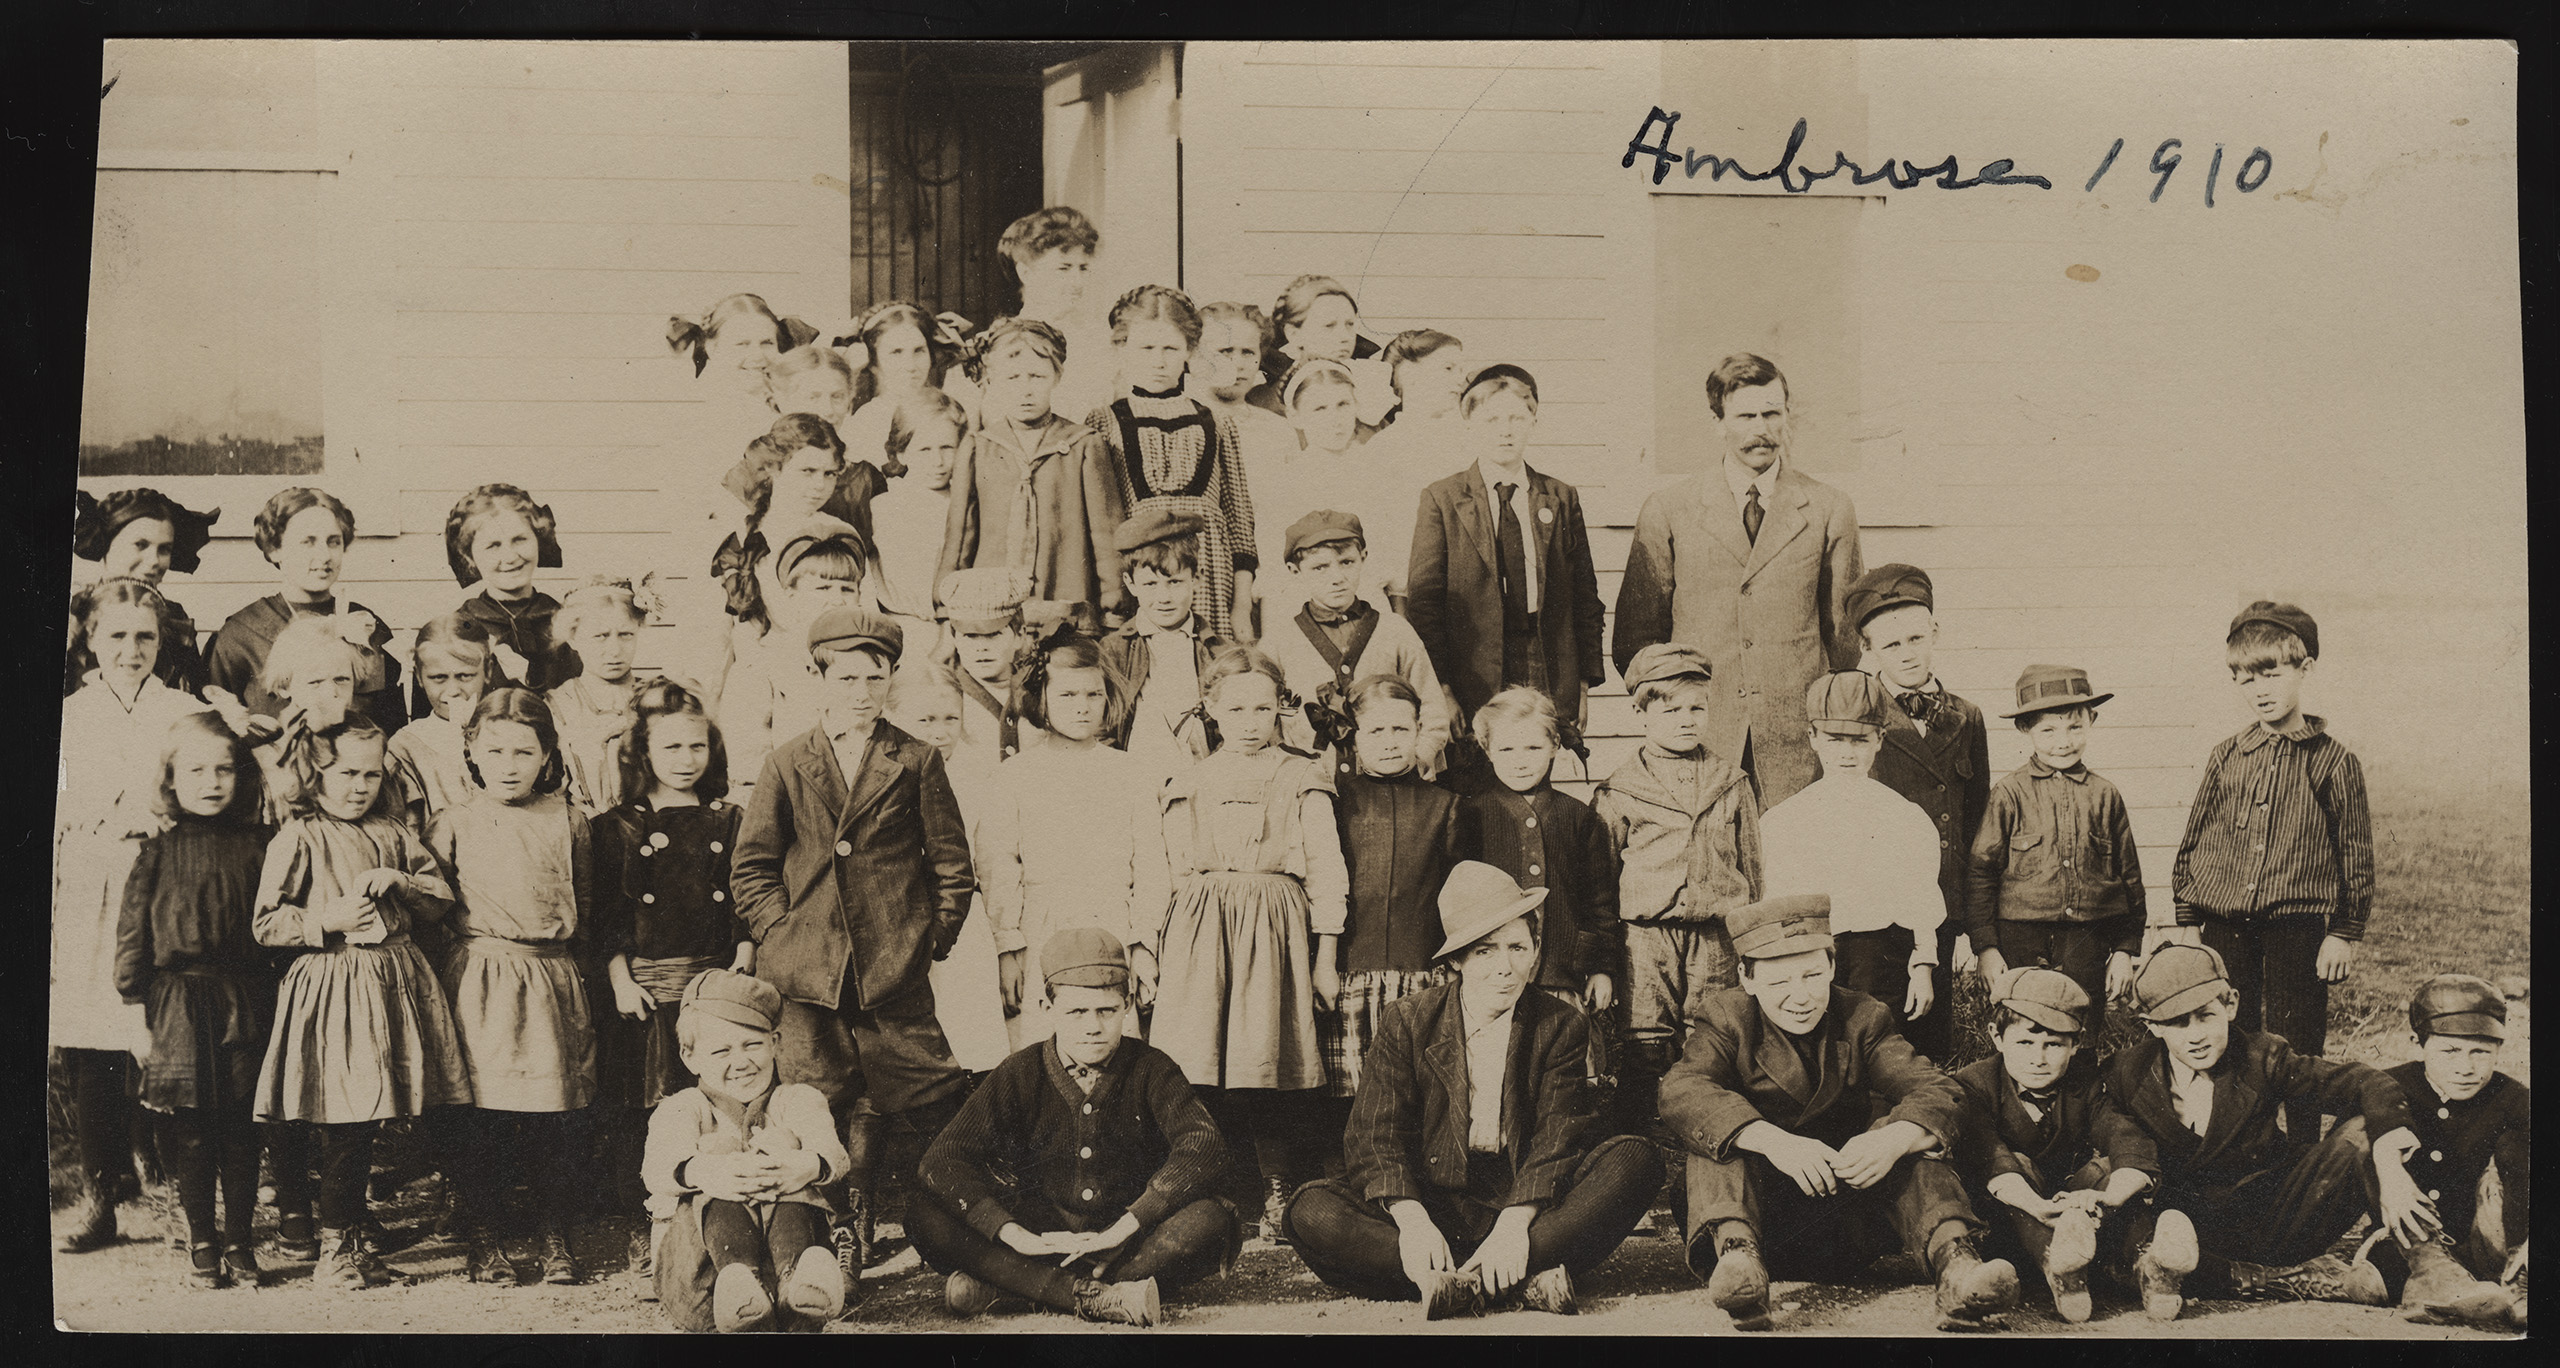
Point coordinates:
pixel 852 874
pixel 2467 1114
pixel 2246 1200
pixel 1078 1175
pixel 1686 824
pixel 1477 1173
pixel 2276 868
pixel 1162 649
pixel 1790 1171
pixel 1337 638
pixel 737 1168
pixel 1871 851
pixel 1935 752
pixel 2056 879
pixel 2044 1147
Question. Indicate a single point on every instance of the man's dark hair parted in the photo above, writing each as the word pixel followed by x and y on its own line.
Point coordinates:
pixel 1739 371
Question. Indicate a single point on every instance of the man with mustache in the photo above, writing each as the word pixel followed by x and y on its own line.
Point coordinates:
pixel 1751 563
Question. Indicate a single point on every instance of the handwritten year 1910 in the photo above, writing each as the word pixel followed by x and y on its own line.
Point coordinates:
pixel 1906 174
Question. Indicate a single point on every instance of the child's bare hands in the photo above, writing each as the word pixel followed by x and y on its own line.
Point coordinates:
pixel 1328 985
pixel 2335 956
pixel 1918 997
pixel 631 999
pixel 1598 992
pixel 726 1177
pixel 1993 967
pixel 794 1170
pixel 376 882
pixel 744 962
pixel 1142 967
pixel 1009 980
pixel 2119 975
pixel 1960 959
pixel 346 915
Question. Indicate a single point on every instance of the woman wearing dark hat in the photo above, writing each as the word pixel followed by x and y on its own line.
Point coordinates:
pixel 143 534
pixel 1473 1176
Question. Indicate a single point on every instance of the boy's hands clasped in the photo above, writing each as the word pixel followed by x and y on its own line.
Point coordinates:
pixel 751 1176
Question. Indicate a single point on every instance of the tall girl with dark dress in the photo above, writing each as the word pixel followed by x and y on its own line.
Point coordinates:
pixel 1174 453
pixel 517 855
pixel 142 535
pixel 186 949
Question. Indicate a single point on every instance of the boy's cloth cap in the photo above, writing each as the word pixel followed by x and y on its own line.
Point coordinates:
pixel 1499 370
pixel 1787 925
pixel 846 628
pixel 1666 660
pixel 2047 997
pixel 2280 615
pixel 2176 980
pixel 1319 528
pixel 734 997
pixel 2043 688
pixel 2458 1005
pixel 1476 901
pixel 1847 696
pixel 1153 525
pixel 1084 957
pixel 985 594
pixel 1889 586
pixel 808 537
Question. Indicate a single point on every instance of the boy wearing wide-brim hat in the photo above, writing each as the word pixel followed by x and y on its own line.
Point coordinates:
pixel 2056 879
pixel 1790 1171
pixel 1935 752
pixel 1473 1177
pixel 2246 1200
pixel 2467 1114
pixel 1078 1175
pixel 2044 1149
pixel 1872 851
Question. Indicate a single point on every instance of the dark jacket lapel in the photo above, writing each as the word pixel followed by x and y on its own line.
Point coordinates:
pixel 2235 1101
pixel 1784 523
pixel 1934 752
pixel 880 769
pixel 1444 1057
pixel 826 782
pixel 1777 1059
pixel 1475 513
pixel 1721 515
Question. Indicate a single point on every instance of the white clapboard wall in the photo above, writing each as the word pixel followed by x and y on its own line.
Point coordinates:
pixel 512 224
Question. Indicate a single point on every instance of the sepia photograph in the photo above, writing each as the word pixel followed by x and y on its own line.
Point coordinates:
pixel 1519 687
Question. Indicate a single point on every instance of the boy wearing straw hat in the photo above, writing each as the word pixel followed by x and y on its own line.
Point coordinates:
pixel 2056 879
pixel 1790 1171
pixel 1473 1175
pixel 1078 1175
pixel 2246 1197
pixel 2044 1146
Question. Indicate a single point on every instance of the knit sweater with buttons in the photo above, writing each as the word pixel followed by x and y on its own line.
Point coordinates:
pixel 1034 1148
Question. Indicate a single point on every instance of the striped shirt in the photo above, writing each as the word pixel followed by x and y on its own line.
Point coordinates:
pixel 2279 828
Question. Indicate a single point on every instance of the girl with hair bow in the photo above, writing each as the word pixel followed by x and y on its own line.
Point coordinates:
pixel 143 534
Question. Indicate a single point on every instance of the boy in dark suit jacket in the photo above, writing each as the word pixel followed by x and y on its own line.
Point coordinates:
pixel 2467 1114
pixel 1773 1099
pixel 1078 1175
pixel 1502 590
pixel 2043 1145
pixel 852 873
pixel 1937 752
pixel 2217 1104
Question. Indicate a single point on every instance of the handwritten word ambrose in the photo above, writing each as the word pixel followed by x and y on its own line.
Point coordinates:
pixel 1906 174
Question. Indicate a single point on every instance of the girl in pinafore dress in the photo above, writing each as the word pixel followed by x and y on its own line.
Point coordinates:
pixel 453 663
pixel 1256 861
pixel 1072 833
pixel 112 731
pixel 362 1034
pixel 186 950
pixel 1175 454
pixel 518 857
pixel 601 619
pixel 662 916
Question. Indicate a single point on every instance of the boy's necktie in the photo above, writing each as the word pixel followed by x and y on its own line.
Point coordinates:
pixel 1512 548
pixel 1751 515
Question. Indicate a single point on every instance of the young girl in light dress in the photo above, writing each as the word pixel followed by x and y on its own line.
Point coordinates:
pixel 926 440
pixel 112 731
pixel 453 663
pixel 517 855
pixel 1072 835
pixel 602 619
pixel 1245 953
pixel 187 950
pixel 362 1031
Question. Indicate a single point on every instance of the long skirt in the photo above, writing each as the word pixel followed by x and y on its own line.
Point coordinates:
pixel 88 896
pixel 1236 1003
pixel 362 1034
pixel 209 1031
pixel 528 1038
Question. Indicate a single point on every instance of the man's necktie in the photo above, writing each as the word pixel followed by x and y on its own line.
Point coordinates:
pixel 1513 549
pixel 1751 515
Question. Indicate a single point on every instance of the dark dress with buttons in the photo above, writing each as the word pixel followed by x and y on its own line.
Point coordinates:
pixel 1547 839
pixel 2457 1141
pixel 662 898
pixel 185 950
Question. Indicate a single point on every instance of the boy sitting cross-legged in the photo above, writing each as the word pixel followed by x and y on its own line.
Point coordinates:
pixel 2042 1144
pixel 734 1167
pixel 2467 1114
pixel 1078 1175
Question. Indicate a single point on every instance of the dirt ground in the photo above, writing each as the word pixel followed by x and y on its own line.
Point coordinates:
pixel 1644 1289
